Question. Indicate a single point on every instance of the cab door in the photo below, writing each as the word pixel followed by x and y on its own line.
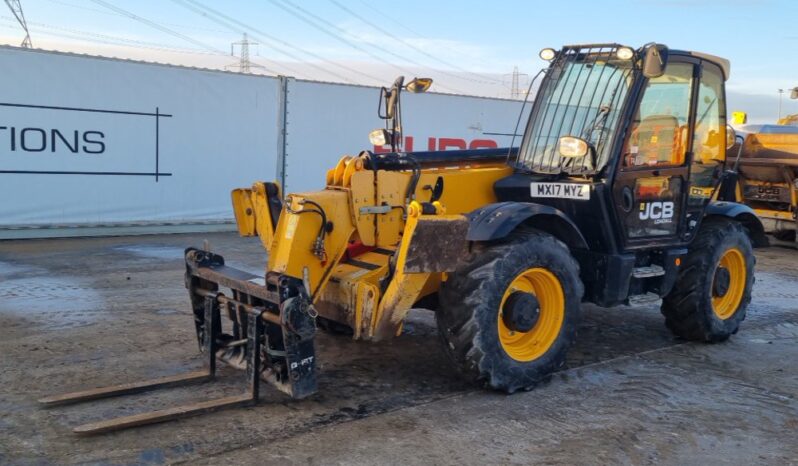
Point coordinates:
pixel 651 182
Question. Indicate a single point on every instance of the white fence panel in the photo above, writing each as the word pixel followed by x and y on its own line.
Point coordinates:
pixel 88 141
pixel 92 141
pixel 327 121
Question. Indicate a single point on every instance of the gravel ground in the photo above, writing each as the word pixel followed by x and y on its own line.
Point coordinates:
pixel 78 313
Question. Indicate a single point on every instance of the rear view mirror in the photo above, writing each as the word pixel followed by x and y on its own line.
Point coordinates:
pixel 655 61
pixel 419 85
pixel 731 137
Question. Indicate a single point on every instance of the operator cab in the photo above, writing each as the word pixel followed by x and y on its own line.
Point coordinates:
pixel 628 144
pixel 611 135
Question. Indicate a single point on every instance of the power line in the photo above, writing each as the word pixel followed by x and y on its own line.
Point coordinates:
pixel 407 28
pixel 157 26
pixel 206 13
pixel 161 28
pixel 16 9
pixel 112 13
pixel 78 37
pixel 417 49
pixel 305 15
pixel 304 18
pixel 106 39
pixel 226 21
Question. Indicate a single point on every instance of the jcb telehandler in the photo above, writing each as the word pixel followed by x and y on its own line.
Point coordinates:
pixel 595 205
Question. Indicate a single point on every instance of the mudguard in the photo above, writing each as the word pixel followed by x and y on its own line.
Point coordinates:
pixel 496 221
pixel 743 214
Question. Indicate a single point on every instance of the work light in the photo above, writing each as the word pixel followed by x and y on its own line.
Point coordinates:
pixel 548 54
pixel 625 53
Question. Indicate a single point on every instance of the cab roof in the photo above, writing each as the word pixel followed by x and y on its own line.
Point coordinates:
pixel 723 63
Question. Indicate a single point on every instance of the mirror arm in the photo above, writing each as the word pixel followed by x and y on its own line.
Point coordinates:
pixel 739 151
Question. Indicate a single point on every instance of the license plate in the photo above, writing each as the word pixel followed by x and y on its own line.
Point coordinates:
pixel 561 190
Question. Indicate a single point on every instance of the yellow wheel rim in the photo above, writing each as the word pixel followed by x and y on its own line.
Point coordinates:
pixel 528 346
pixel 734 262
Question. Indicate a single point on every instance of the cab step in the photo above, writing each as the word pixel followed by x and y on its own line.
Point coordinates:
pixel 640 299
pixel 648 271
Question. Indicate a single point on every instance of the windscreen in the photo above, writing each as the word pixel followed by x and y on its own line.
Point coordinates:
pixel 583 96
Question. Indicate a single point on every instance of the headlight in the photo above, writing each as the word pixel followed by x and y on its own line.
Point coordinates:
pixel 571 146
pixel 548 54
pixel 380 137
pixel 625 53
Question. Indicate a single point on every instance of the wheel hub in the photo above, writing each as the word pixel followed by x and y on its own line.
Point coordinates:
pixel 521 311
pixel 720 286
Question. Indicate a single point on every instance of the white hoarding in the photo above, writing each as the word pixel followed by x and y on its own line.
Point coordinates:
pixel 90 141
pixel 327 121
pixel 94 141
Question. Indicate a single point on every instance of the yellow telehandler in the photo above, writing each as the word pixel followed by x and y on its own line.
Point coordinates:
pixel 595 205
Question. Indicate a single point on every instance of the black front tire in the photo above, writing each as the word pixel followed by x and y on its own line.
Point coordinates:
pixel 469 310
pixel 688 308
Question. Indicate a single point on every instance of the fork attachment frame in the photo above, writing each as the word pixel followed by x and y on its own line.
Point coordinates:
pixel 272 338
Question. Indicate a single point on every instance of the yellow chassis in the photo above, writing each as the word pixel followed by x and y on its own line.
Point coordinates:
pixel 373 291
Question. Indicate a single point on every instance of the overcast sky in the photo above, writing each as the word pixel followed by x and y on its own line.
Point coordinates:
pixel 467 46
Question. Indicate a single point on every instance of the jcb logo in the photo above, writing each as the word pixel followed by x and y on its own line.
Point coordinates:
pixel 661 211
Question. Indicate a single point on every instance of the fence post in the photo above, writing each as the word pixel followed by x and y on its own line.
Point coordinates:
pixel 282 132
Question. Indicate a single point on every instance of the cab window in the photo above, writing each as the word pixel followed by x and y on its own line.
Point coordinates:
pixel 658 135
pixel 709 142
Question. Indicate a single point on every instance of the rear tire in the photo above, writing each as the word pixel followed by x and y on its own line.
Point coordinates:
pixel 707 303
pixel 474 310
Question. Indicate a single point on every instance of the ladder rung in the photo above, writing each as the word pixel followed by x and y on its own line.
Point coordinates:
pixel 649 271
pixel 636 300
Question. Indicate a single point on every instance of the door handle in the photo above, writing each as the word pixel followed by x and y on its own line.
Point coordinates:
pixel 627 199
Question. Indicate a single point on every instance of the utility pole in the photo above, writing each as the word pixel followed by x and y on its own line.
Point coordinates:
pixel 243 65
pixel 16 9
pixel 515 83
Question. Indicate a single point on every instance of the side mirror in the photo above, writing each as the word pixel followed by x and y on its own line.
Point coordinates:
pixel 731 137
pixel 794 93
pixel 571 146
pixel 419 85
pixel 390 102
pixel 655 61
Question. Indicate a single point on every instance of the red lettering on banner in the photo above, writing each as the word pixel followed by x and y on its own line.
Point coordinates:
pixel 456 143
pixel 437 144
pixel 483 144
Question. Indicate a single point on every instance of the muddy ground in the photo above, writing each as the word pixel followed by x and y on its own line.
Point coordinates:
pixel 78 313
